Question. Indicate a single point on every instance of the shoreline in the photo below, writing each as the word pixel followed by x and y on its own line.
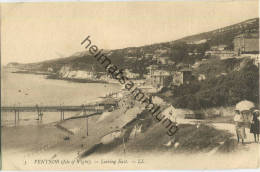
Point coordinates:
pixel 55 141
pixel 31 72
pixel 54 76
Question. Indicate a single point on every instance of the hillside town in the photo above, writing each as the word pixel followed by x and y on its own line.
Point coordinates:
pixel 174 70
pixel 164 72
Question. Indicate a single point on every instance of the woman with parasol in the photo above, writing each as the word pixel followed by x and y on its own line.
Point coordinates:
pixel 242 118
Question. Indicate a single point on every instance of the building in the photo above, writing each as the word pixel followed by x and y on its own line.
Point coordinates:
pixel 194 52
pixel 183 76
pixel 131 75
pixel 152 68
pixel 164 60
pixel 224 54
pixel 50 69
pixel 218 47
pixel 160 78
pixel 247 43
pixel 201 77
pixel 148 56
pixel 177 79
pixel 161 51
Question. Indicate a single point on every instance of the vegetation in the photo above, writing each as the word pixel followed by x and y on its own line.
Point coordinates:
pixel 153 137
pixel 224 90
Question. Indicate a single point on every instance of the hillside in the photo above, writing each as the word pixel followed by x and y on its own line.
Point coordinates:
pixel 227 82
pixel 225 35
pixel 138 58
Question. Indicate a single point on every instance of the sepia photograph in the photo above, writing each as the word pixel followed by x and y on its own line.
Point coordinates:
pixel 128 85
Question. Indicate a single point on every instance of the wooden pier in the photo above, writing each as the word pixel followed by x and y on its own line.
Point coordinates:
pixel 97 108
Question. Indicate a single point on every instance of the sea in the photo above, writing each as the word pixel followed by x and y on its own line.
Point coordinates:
pixel 18 89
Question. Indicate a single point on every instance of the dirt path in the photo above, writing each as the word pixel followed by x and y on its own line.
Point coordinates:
pixel 250 146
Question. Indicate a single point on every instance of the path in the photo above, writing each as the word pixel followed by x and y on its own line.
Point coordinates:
pixel 249 151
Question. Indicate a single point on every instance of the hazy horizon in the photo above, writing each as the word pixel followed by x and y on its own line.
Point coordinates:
pixel 33 32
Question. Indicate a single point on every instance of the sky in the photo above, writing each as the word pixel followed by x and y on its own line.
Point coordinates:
pixel 32 32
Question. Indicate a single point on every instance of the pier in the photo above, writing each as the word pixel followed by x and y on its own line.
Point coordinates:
pixel 96 108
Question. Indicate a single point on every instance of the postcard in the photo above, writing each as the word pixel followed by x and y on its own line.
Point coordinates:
pixel 127 85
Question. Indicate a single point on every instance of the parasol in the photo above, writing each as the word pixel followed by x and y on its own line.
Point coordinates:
pixel 244 105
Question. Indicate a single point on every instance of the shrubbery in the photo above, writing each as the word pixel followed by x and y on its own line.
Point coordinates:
pixel 221 91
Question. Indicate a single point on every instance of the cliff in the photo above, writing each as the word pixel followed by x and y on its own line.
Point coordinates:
pixel 66 72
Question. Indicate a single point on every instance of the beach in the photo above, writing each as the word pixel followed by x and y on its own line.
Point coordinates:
pixel 79 143
pixel 30 136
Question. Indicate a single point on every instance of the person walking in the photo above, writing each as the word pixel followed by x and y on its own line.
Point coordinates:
pixel 254 128
pixel 239 124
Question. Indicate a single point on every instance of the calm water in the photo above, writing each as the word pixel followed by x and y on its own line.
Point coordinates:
pixel 29 90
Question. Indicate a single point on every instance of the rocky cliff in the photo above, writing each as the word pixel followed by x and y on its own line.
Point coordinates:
pixel 66 72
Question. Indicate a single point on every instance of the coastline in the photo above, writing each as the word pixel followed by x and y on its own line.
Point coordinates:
pixel 31 72
pixel 55 76
pixel 62 143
